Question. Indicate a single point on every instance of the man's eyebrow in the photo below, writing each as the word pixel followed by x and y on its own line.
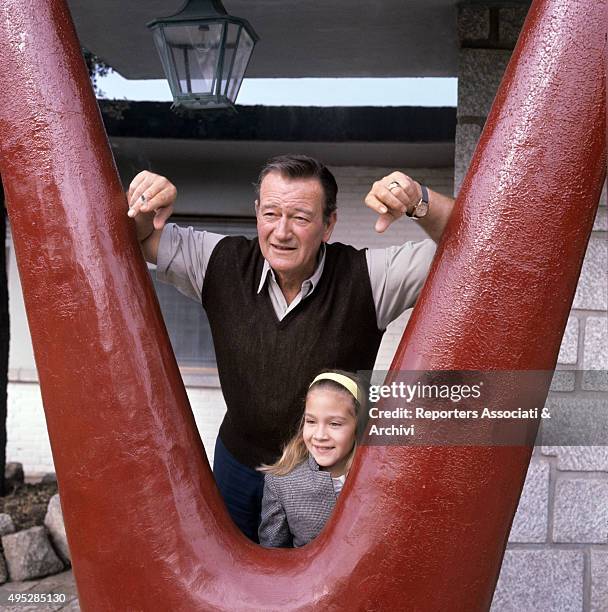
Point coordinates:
pixel 296 209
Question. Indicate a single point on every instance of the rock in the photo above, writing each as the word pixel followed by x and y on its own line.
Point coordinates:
pixel 3 570
pixel 6 524
pixel 29 554
pixel 48 478
pixel 13 475
pixel 54 523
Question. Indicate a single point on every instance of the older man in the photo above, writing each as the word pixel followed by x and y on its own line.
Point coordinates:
pixel 288 304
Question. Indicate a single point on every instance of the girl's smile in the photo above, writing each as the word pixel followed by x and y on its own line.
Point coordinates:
pixel 329 428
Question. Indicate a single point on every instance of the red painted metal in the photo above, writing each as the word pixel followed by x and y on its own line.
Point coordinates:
pixel 416 528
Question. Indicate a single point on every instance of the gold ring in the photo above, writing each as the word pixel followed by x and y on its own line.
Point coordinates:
pixel 392 185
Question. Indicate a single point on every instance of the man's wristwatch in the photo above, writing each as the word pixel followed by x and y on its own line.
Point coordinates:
pixel 422 207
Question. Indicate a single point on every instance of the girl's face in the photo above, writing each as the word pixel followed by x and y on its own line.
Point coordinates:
pixel 329 428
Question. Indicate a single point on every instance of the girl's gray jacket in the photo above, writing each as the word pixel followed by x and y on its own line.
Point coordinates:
pixel 295 507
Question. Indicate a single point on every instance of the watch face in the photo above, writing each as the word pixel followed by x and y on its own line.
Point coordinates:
pixel 421 210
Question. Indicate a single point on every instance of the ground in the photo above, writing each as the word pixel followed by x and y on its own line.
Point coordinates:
pixel 27 504
pixel 62 585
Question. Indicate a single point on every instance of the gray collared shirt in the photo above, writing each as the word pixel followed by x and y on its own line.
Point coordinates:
pixel 279 303
pixel 396 273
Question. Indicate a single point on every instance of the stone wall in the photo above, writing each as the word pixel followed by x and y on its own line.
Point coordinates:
pixel 557 556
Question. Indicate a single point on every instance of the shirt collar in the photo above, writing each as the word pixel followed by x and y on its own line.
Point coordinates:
pixel 313 280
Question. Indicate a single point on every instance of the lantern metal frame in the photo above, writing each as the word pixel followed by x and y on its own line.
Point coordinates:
pixel 202 12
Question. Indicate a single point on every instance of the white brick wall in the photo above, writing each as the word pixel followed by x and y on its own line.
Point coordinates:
pixel 208 406
pixel 28 440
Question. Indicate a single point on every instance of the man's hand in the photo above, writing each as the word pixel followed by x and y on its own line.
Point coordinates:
pixel 151 198
pixel 397 193
pixel 153 195
pixel 392 203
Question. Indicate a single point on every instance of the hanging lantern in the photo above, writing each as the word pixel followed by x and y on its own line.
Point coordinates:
pixel 204 53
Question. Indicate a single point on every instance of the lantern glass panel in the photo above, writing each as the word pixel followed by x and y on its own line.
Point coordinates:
pixel 243 53
pixel 195 52
pixel 165 58
pixel 232 41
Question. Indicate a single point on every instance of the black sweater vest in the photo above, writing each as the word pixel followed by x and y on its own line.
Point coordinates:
pixel 265 365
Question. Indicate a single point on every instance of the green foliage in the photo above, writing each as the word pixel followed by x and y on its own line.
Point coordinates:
pixel 97 68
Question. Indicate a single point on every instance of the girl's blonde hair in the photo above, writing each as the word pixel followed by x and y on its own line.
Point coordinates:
pixel 295 451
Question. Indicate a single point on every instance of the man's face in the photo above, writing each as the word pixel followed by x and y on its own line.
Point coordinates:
pixel 290 224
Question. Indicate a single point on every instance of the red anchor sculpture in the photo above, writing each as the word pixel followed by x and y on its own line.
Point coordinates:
pixel 418 528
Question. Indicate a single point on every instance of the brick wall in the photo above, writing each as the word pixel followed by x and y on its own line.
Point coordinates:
pixel 28 440
pixel 27 437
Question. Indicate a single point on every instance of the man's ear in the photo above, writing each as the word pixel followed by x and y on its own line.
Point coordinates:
pixel 256 205
pixel 329 227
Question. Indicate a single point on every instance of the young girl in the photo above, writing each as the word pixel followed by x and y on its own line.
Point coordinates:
pixel 301 488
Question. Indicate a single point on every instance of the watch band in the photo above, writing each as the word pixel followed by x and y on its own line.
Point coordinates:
pixel 425 193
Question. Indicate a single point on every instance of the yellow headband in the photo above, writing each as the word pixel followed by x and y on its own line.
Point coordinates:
pixel 348 383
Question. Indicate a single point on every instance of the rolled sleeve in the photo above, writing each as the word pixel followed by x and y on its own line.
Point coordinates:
pixel 183 256
pixel 397 275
